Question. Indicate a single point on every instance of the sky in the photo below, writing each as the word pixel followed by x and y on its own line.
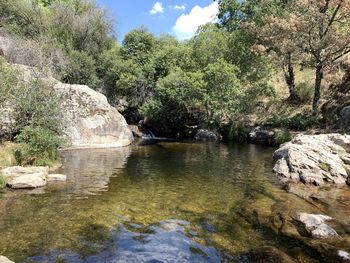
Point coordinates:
pixel 180 18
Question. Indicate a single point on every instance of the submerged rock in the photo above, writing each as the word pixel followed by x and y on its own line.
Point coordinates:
pixel 25 177
pixel 268 254
pixel 207 135
pixel 315 225
pixel 314 159
pixel 5 260
pixel 56 178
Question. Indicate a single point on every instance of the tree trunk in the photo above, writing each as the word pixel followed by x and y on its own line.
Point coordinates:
pixel 317 92
pixel 290 80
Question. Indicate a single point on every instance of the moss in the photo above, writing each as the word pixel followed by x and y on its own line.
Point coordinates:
pixel 325 167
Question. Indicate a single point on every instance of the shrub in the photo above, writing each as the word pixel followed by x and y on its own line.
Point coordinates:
pixel 299 122
pixel 283 136
pixel 238 132
pixel 81 70
pixel 304 91
pixel 38 146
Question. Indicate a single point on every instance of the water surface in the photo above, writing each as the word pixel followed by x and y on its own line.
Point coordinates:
pixel 168 202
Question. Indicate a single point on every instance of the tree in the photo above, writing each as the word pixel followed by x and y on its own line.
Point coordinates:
pixel 222 91
pixel 323 32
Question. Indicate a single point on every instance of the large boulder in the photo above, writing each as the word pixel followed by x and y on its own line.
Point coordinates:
pixel 314 159
pixel 90 121
pixel 18 177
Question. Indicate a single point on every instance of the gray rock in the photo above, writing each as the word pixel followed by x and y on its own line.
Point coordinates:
pixel 314 159
pixel 261 136
pixel 89 120
pixel 18 177
pixel 345 118
pixel 315 225
pixel 207 135
pixel 56 178
pixel 5 260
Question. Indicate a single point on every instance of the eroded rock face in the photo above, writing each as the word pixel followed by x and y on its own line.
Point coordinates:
pixel 314 159
pixel 89 120
pixel 18 177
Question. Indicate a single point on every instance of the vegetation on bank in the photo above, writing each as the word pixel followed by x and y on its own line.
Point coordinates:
pixel 215 80
pixel 37 117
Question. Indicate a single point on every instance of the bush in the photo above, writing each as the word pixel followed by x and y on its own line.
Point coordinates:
pixel 299 122
pixel 283 136
pixel 238 132
pixel 81 70
pixel 38 146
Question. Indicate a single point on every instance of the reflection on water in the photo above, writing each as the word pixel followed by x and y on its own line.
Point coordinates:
pixel 168 202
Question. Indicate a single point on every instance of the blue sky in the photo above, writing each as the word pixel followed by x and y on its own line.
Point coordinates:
pixel 180 18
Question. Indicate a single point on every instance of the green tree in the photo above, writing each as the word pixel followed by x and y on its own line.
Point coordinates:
pixel 222 91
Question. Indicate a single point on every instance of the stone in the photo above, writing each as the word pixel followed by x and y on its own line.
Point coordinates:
pixel 314 159
pixel 343 255
pixel 345 118
pixel 90 121
pixel 315 225
pixel 136 131
pixel 56 178
pixel 207 135
pixel 258 135
pixel 18 177
pixel 5 260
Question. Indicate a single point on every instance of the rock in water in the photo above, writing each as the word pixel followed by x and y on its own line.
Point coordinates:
pixel 90 121
pixel 5 260
pixel 314 159
pixel 315 225
pixel 259 135
pixel 56 178
pixel 18 177
pixel 207 135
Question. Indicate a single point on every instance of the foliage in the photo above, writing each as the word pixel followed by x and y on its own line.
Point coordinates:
pixel 81 70
pixel 38 146
pixel 37 116
pixel 283 136
pixel 177 100
pixel 299 122
pixel 238 131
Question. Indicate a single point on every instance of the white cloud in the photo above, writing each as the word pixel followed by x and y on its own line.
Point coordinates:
pixel 180 7
pixel 187 24
pixel 157 8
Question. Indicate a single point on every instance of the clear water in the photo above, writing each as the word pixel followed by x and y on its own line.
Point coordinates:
pixel 168 202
